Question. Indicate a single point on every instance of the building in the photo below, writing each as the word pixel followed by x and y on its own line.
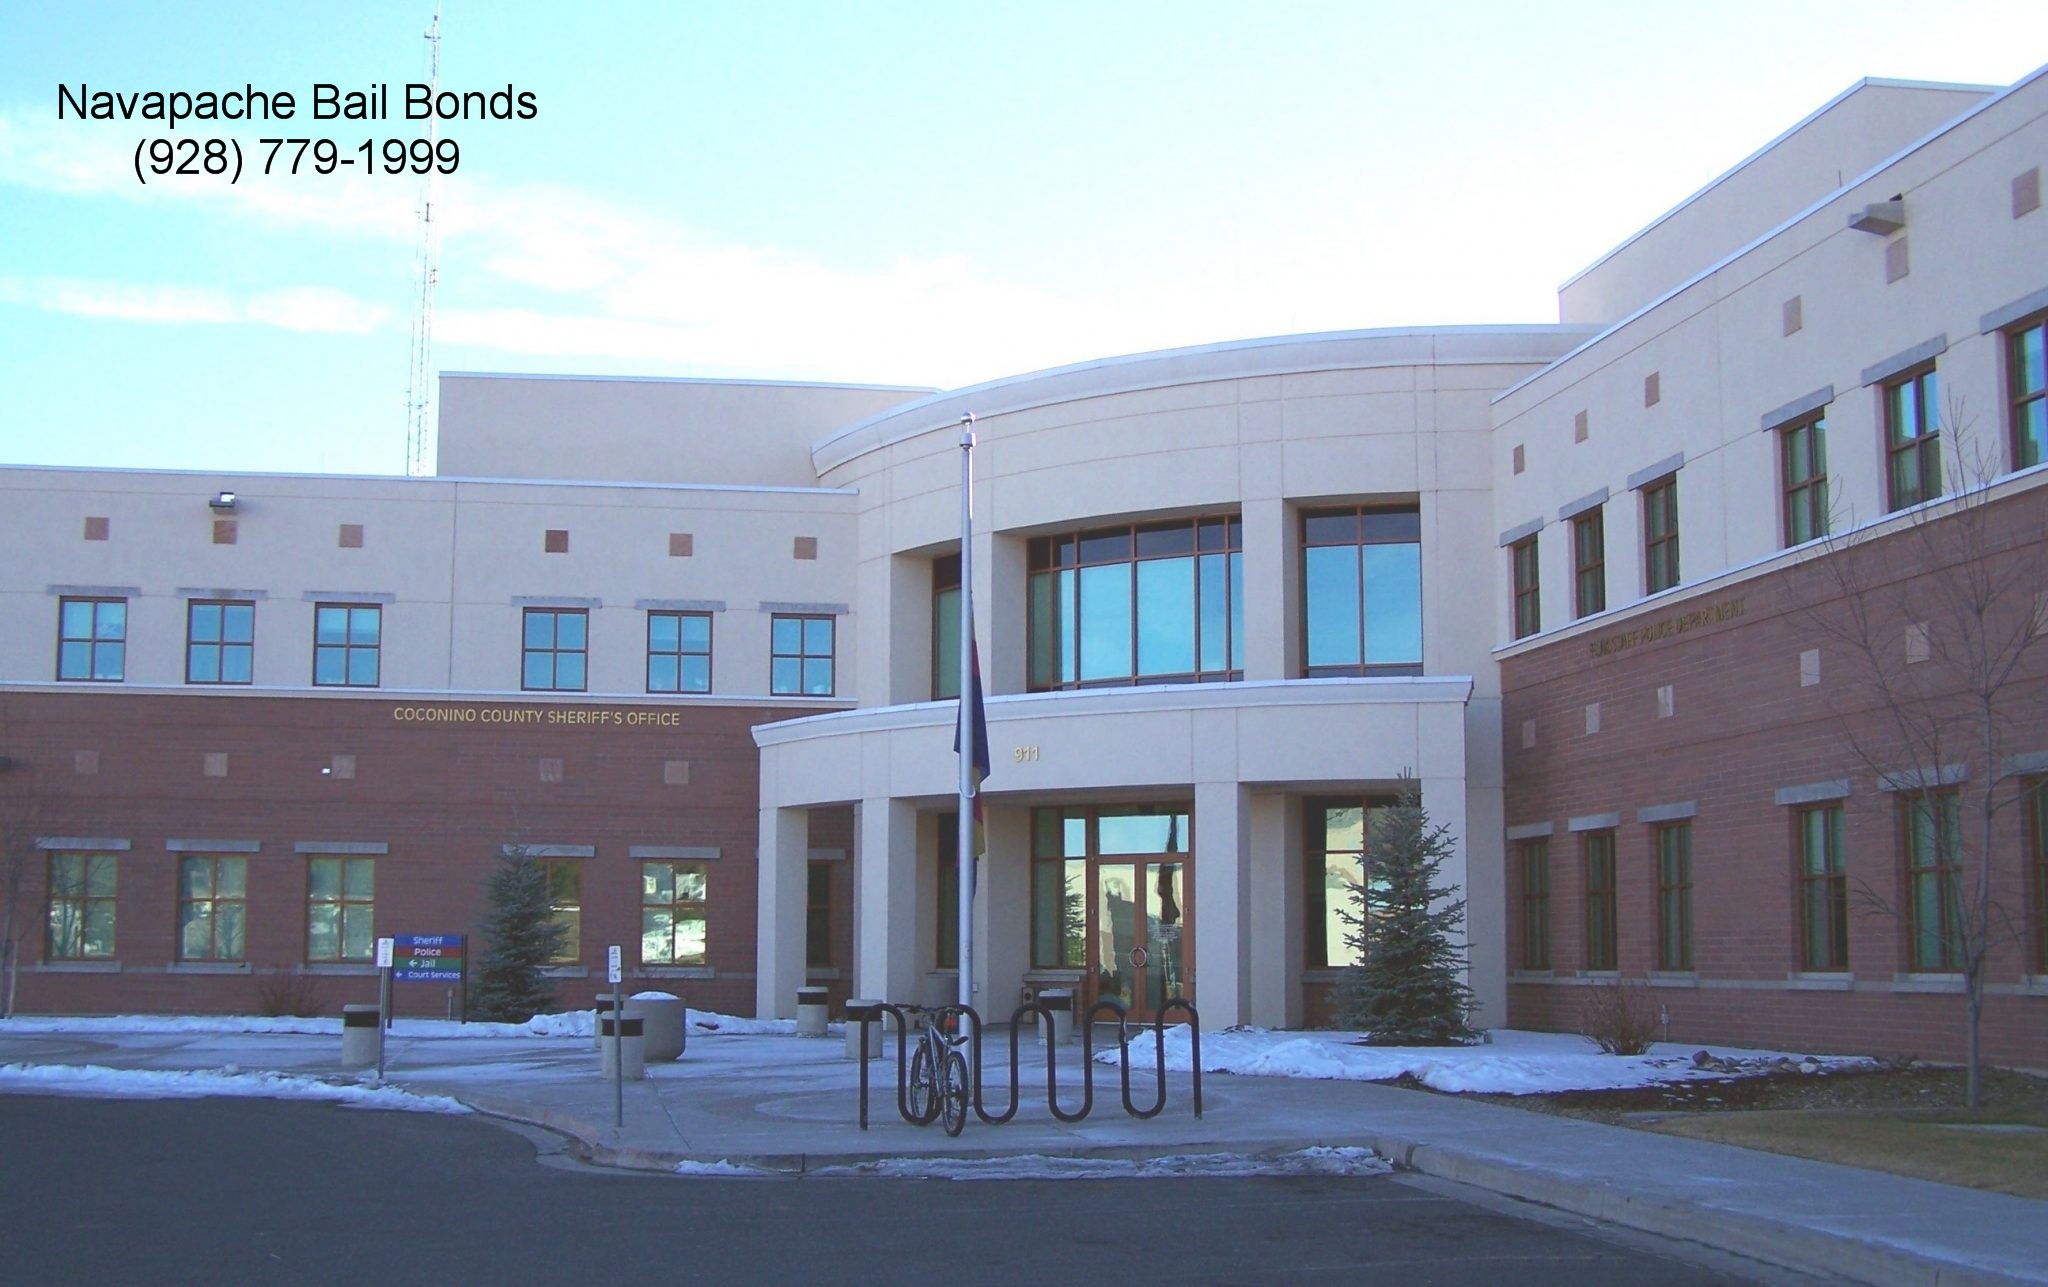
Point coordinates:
pixel 691 644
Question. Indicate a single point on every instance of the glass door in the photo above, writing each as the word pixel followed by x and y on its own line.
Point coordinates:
pixel 1138 939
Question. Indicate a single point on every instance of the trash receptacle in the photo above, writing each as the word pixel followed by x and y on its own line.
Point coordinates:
pixel 810 1012
pixel 630 1023
pixel 1060 1030
pixel 664 1017
pixel 360 1036
pixel 606 1003
pixel 863 1013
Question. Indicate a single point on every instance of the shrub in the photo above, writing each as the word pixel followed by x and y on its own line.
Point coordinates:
pixel 1619 1017
pixel 286 993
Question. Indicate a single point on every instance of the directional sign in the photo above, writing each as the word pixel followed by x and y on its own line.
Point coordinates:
pixel 428 958
pixel 614 970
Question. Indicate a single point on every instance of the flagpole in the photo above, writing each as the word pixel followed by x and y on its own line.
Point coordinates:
pixel 966 727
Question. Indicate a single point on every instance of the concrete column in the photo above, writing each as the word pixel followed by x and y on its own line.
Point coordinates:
pixel 779 944
pixel 886 898
pixel 1002 610
pixel 1275 895
pixel 1002 913
pixel 1270 591
pixel 1223 941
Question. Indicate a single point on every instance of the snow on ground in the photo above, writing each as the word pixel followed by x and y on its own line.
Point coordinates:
pixel 1038 1166
pixel 1515 1063
pixel 573 1023
pixel 137 1083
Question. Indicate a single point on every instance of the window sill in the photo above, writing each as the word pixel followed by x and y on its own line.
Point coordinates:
pixel 1821 981
pixel 1940 983
pixel 565 972
pixel 337 968
pixel 1673 979
pixel 824 972
pixel 1326 974
pixel 207 967
pixel 1531 976
pixel 1599 976
pixel 675 972
pixel 77 967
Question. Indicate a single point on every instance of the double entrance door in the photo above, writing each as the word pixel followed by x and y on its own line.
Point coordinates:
pixel 1138 933
pixel 1110 901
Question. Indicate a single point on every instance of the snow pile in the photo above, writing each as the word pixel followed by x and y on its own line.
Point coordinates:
pixel 573 1023
pixel 1038 1166
pixel 137 1083
pixel 150 1024
pixel 721 1170
pixel 1515 1063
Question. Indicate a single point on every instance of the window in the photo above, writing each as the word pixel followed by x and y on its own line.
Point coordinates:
pixel 220 645
pixel 1335 833
pixel 1057 888
pixel 1528 589
pixel 1823 891
pixel 1598 848
pixel 672 913
pixel 1674 896
pixel 1535 904
pixel 341 900
pixel 1589 563
pixel 1152 603
pixel 946 627
pixel 92 639
pixel 1934 880
pixel 212 908
pixel 565 908
pixel 678 652
pixel 2037 839
pixel 1361 592
pixel 81 907
pixel 818 917
pixel 800 656
pixel 348 641
pixel 1803 465
pixel 1912 434
pixel 1660 535
pixel 2027 368
pixel 557 650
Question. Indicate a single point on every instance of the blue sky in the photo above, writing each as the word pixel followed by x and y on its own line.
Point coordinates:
pixel 871 192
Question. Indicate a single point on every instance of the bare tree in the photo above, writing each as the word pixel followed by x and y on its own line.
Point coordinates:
pixel 1941 621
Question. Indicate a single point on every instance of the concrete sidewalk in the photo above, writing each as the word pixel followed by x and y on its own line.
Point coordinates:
pixel 786 1104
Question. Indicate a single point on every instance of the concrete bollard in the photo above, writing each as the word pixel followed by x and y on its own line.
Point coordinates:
pixel 867 1014
pixel 1060 1031
pixel 631 1026
pixel 606 1003
pixel 810 1012
pixel 664 1015
pixel 360 1036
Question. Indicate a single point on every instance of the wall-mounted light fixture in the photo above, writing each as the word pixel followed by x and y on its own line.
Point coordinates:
pixel 1881 217
pixel 223 501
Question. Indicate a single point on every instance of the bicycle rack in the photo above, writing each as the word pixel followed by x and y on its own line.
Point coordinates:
pixel 972 1019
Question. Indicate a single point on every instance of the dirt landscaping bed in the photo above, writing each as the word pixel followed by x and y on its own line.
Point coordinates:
pixel 1906 1120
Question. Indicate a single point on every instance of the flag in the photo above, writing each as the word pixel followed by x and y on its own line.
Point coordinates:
pixel 977 722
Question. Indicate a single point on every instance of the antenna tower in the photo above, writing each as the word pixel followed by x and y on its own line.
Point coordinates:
pixel 419 394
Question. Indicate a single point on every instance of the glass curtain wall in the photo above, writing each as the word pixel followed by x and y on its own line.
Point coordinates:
pixel 1148 603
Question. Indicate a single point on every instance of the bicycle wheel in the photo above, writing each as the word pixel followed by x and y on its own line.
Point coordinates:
pixel 953 1093
pixel 924 1088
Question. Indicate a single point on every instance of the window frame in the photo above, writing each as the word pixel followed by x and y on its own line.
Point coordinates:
pixel 72 907
pixel 2021 403
pixel 342 901
pixel 1671 844
pixel 1318 951
pixel 1924 447
pixel 679 909
pixel 221 644
pixel 1603 918
pixel 1826 880
pixel 1534 857
pixel 945 583
pixel 1807 496
pixel 565 911
pixel 1943 876
pixel 1589 570
pixel 348 649
pixel 1526 593
pixel 91 640
pixel 1660 535
pixel 803 656
pixel 1361 515
pixel 213 900
pixel 682 649
pixel 1056 615
pixel 553 650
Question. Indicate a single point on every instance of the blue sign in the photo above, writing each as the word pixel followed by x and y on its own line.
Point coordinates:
pixel 426 958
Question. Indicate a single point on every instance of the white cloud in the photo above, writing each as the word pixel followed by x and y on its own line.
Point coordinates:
pixel 315 308
pixel 306 308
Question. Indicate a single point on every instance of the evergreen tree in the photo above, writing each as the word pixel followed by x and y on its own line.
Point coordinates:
pixel 1410 991
pixel 520 938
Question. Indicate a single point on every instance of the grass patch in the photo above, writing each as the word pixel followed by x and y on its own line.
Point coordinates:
pixel 2002 1151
